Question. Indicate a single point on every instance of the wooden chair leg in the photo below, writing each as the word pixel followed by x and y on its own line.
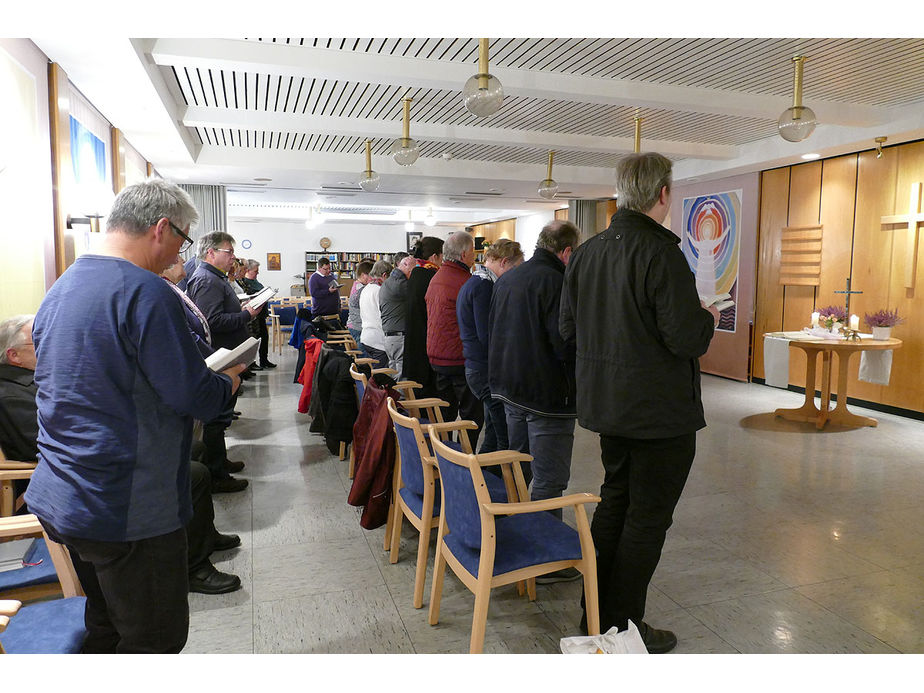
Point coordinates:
pixel 396 523
pixel 352 462
pixel 531 589
pixel 389 524
pixel 436 590
pixel 592 604
pixel 420 575
pixel 342 450
pixel 480 618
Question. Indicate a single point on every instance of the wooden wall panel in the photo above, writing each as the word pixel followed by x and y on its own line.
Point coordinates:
pixel 61 175
pixel 799 301
pixel 906 388
pixel 774 210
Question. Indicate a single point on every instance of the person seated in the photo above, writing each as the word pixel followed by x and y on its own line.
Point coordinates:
pixel 18 440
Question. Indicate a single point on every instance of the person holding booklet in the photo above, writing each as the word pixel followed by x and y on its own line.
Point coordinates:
pixel 259 302
pixel 324 290
pixel 120 381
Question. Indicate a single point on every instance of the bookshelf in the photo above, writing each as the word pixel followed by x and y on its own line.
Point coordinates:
pixel 341 264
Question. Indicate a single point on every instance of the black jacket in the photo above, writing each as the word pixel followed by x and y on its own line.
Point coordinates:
pixel 18 413
pixel 630 302
pixel 530 365
pixel 212 293
pixel 416 364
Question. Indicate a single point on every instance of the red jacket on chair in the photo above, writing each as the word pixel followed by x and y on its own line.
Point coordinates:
pixel 444 346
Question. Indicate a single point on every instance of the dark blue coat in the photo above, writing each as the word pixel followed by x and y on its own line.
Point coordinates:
pixel 212 293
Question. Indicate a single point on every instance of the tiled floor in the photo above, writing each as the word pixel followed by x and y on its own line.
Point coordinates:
pixel 786 540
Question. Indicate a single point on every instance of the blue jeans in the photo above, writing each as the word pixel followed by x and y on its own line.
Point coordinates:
pixel 549 439
pixel 355 334
pixel 495 419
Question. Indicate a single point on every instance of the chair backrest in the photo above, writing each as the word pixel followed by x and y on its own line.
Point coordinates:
pixel 359 383
pixel 286 314
pixel 28 525
pixel 464 491
pixel 413 448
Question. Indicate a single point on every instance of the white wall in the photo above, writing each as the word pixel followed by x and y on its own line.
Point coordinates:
pixel 292 240
pixel 528 229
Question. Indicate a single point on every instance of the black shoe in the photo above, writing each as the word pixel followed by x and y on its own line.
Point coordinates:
pixel 210 581
pixel 657 641
pixel 563 575
pixel 233 467
pixel 236 413
pixel 228 485
pixel 267 365
pixel 225 542
pixel 255 367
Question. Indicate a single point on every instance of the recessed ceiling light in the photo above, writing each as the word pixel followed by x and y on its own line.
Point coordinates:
pixel 811 156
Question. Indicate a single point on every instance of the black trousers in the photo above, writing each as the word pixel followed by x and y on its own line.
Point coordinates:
pixel 642 484
pixel 452 387
pixel 213 438
pixel 200 532
pixel 137 592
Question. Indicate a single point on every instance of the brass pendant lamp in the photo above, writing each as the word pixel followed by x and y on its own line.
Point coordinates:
pixel 798 122
pixel 548 188
pixel 369 181
pixel 483 94
pixel 405 150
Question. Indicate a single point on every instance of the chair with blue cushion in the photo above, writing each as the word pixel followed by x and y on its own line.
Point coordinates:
pixel 12 471
pixel 489 544
pixel 283 321
pixel 47 627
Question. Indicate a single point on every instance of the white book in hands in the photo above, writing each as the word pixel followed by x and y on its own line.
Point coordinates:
pixel 258 299
pixel 223 359
pixel 720 301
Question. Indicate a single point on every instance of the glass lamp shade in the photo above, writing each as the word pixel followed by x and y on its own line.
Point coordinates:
pixel 483 95
pixel 797 123
pixel 430 220
pixel 405 151
pixel 548 189
pixel 369 181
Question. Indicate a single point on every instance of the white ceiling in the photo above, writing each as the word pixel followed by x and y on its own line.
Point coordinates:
pixel 297 111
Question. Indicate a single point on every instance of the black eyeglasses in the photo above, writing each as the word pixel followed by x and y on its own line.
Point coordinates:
pixel 187 241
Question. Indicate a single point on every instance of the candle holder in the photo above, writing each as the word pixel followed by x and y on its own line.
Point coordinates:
pixel 850 335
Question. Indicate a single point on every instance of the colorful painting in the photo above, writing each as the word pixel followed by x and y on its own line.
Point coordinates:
pixel 711 242
pixel 274 262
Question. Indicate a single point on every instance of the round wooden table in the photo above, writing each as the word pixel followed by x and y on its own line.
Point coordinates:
pixel 844 349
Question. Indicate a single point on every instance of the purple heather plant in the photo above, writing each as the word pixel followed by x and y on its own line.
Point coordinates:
pixel 883 318
pixel 836 312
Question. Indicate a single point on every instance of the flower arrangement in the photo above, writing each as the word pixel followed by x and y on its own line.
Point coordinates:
pixel 831 316
pixel 883 318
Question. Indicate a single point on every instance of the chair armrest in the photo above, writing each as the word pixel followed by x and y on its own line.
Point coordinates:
pixel 363 360
pixel 20 526
pixel 386 371
pixel 11 464
pixel 573 499
pixel 423 403
pixel 15 474
pixel 458 425
pixel 9 607
pixel 407 384
pixel 489 459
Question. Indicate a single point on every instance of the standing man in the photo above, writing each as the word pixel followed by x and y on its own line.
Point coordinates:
pixel 531 367
pixel 119 383
pixel 258 324
pixel 630 302
pixel 211 291
pixel 444 345
pixel 324 290
pixel 393 304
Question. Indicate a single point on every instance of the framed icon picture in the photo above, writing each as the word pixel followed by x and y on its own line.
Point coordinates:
pixel 412 238
pixel 273 261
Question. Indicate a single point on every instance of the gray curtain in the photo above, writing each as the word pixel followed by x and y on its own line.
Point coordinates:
pixel 583 214
pixel 211 201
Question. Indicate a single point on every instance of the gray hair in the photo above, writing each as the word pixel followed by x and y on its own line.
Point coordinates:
pixel 504 248
pixel 557 235
pixel 640 178
pixel 252 264
pixel 381 267
pixel 212 240
pixel 398 257
pixel 141 205
pixel 456 245
pixel 11 334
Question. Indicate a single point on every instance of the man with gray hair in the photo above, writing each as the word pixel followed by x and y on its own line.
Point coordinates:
pixel 120 381
pixel 444 344
pixel 631 305
pixel 531 366
pixel 18 426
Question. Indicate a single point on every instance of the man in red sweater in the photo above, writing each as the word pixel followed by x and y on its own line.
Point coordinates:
pixel 444 346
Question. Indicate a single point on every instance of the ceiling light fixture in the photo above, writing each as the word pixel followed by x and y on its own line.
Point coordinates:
pixel 548 188
pixel 638 135
pixel 810 156
pixel 409 224
pixel 483 94
pixel 798 122
pixel 430 220
pixel 370 179
pixel 879 141
pixel 405 150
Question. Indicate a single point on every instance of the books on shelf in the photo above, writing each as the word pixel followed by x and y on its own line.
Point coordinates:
pixel 245 352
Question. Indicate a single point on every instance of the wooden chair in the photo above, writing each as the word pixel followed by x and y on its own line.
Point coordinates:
pixel 489 544
pixel 47 627
pixel 282 321
pixel 10 472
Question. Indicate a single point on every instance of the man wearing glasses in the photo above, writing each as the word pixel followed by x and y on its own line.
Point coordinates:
pixel 120 381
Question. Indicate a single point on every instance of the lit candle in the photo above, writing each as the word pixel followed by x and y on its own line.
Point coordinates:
pixel 854 322
pixel 815 319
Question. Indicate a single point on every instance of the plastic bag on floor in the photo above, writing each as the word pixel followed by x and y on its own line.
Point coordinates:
pixel 611 642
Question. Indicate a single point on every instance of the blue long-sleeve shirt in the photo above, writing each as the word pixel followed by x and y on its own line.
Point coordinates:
pixel 119 382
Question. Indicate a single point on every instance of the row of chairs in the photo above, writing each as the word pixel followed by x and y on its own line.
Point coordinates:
pixel 488 531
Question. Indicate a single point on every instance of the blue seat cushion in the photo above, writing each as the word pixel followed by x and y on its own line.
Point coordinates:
pixel 40 574
pixel 55 627
pixel 496 490
pixel 522 540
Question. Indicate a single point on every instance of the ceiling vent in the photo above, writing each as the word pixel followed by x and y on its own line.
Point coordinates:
pixel 342 209
pixel 350 188
pixel 485 194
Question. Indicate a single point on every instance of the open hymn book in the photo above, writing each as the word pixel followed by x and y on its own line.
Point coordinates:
pixel 257 300
pixel 720 301
pixel 245 352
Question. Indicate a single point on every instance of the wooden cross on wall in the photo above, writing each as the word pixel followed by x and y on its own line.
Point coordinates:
pixel 913 219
